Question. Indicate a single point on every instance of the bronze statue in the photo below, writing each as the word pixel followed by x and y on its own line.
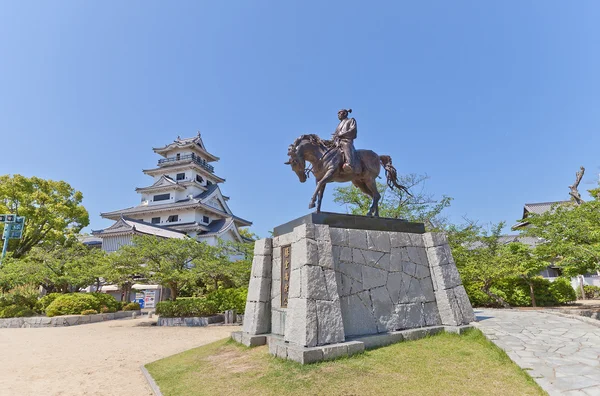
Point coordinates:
pixel 343 137
pixel 328 163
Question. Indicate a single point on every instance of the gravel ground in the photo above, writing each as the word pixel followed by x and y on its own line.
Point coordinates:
pixel 94 359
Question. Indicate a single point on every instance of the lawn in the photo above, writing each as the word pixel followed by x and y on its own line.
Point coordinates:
pixel 445 364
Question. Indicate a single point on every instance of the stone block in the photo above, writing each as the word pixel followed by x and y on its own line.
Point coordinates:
pixel 431 315
pixel 414 334
pixel 378 241
pixel 313 281
pixel 352 270
pixel 381 340
pixel 325 252
pixel 301 322
pixel 399 239
pixel 439 255
pixel 297 284
pixel 357 257
pixel 304 252
pixel 409 268
pixel 415 291
pixel 373 277
pixel 304 231
pixel 394 285
pixel 304 355
pixel 257 318
pixel 446 276
pixel 355 347
pixel 330 324
pixel 322 232
pixel 261 266
pixel 259 289
pixel 357 315
pixel 410 316
pixel 416 240
pixel 433 239
pixel 331 283
pixel 464 305
pixel 450 314
pixel 339 236
pixel 383 309
pixel 422 272
pixel 263 247
pixel 275 288
pixel 371 258
pixel 335 351
pixel 277 322
pixel 281 351
pixel 237 336
pixel 458 329
pixel 416 255
pixel 357 239
pixel 427 290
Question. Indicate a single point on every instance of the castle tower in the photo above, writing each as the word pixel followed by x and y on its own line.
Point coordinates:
pixel 184 198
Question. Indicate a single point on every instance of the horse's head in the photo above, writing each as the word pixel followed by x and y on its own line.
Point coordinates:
pixel 297 162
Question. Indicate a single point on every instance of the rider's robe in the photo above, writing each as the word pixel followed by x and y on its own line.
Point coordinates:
pixel 345 133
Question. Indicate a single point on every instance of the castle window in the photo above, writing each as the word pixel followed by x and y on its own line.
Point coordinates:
pixel 208 183
pixel 180 176
pixel 155 220
pixel 162 197
pixel 199 179
pixel 205 219
pixel 173 218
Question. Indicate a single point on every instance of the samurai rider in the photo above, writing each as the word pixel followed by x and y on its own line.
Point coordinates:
pixel 343 138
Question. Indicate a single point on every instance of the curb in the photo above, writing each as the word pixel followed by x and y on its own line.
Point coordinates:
pixel 585 319
pixel 150 381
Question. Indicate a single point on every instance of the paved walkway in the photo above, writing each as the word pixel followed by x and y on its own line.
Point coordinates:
pixel 93 359
pixel 561 353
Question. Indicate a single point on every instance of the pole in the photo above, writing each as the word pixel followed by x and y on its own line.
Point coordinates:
pixel 7 228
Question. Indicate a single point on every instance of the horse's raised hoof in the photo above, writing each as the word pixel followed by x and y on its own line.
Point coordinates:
pixel 311 205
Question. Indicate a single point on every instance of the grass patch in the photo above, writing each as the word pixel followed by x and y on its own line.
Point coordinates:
pixel 445 364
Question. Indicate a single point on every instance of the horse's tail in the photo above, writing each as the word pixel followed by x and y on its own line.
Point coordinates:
pixel 391 174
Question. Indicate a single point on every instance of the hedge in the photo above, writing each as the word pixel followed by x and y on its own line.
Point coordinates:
pixel 18 302
pixel 75 303
pixel 216 302
pixel 515 291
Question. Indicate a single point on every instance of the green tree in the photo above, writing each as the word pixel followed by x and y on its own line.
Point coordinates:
pixel 569 235
pixel 125 268
pixel 420 207
pixel 525 264
pixel 480 258
pixel 170 262
pixel 52 210
pixel 58 268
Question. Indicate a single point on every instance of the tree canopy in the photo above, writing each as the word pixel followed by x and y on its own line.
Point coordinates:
pixel 52 210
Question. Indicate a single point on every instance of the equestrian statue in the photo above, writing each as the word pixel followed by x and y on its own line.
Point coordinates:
pixel 336 160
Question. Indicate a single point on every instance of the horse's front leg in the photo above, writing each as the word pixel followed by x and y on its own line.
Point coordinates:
pixel 320 198
pixel 321 182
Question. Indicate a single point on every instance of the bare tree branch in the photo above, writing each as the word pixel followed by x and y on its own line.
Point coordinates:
pixel 574 192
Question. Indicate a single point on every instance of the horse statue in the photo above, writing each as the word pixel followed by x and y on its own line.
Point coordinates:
pixel 326 160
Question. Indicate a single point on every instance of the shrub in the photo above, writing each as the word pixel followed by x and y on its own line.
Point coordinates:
pixel 132 306
pixel 108 301
pixel 89 312
pixel 72 304
pixel 590 291
pixel 225 299
pixel 515 291
pixel 186 307
pixel 18 302
pixel 562 291
pixel 43 302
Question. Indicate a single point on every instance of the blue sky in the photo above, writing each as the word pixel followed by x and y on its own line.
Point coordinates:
pixel 496 102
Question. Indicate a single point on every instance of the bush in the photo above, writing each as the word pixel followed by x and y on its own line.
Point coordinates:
pixel 225 299
pixel 89 312
pixel 72 304
pixel 43 302
pixel 132 306
pixel 18 302
pixel 108 301
pixel 562 291
pixel 590 291
pixel 515 291
pixel 186 307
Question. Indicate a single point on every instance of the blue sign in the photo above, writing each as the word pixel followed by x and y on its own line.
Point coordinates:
pixel 140 301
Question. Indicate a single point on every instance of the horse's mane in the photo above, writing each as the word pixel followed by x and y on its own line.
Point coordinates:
pixel 315 139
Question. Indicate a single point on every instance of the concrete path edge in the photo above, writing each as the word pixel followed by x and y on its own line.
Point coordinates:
pixel 151 381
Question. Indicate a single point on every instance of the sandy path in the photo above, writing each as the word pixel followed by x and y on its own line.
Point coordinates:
pixel 94 359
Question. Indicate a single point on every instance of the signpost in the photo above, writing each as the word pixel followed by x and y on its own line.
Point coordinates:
pixel 13 229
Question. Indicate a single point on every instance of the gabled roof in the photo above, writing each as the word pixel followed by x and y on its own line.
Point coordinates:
pixel 219 227
pixel 194 143
pixel 164 183
pixel 537 208
pixel 127 225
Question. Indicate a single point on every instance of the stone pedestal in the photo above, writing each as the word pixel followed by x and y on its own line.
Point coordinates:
pixel 329 285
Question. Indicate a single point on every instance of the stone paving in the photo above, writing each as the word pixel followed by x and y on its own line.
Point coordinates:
pixel 561 353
